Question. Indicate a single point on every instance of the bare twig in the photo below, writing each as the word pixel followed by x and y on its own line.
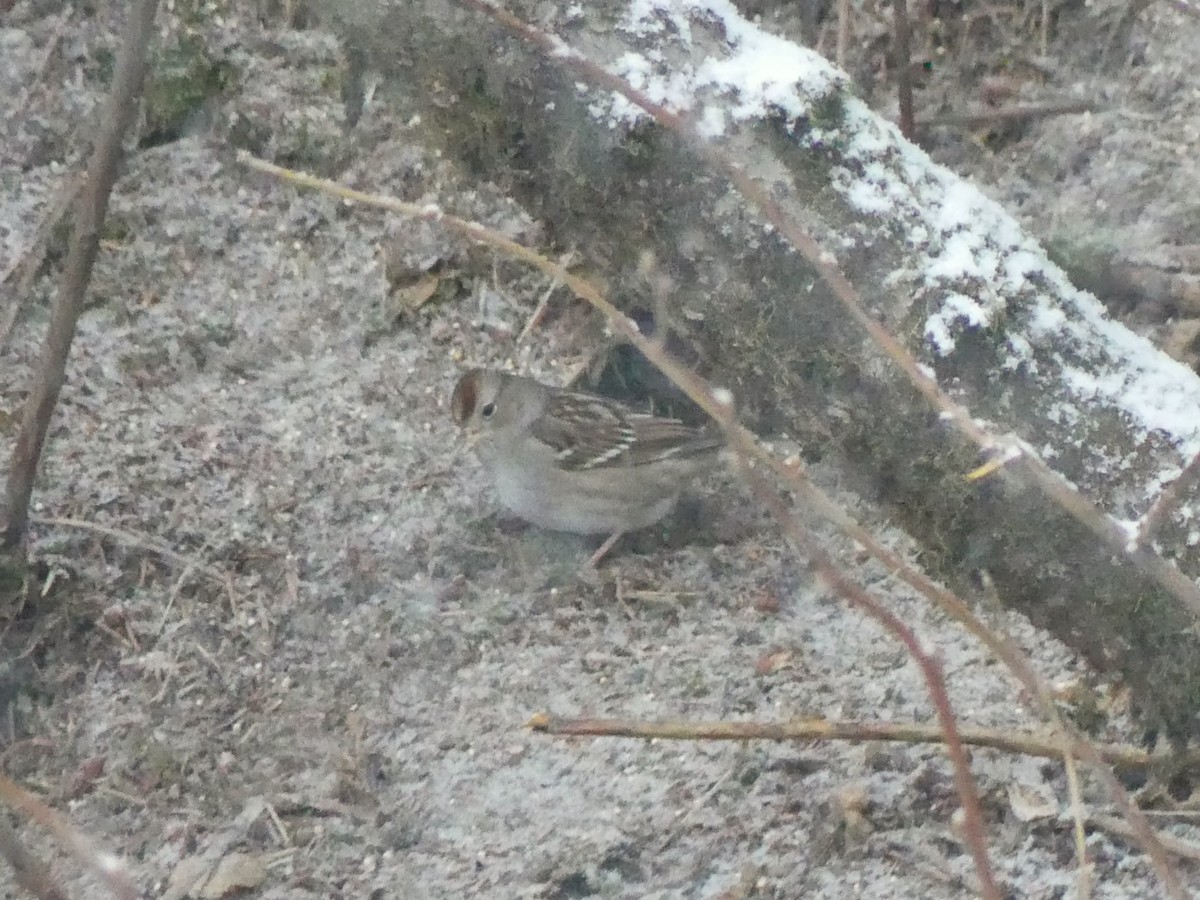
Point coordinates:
pixel 843 32
pixel 930 666
pixel 30 872
pixel 115 119
pixel 1044 44
pixel 1078 823
pixel 107 867
pixel 1158 514
pixel 43 65
pixel 1040 744
pixel 27 264
pixel 900 42
pixel 1181 848
pixel 535 318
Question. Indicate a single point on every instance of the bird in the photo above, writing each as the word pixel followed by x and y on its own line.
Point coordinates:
pixel 582 463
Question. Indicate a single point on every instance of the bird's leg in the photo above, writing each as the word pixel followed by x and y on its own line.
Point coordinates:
pixel 603 551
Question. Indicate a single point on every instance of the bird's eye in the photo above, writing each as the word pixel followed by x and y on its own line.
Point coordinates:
pixel 488 410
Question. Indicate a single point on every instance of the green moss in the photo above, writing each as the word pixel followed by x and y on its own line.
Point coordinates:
pixel 829 112
pixel 14 571
pixel 183 79
pixel 1088 259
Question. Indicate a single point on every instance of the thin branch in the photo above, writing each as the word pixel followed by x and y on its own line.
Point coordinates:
pixel 26 265
pixel 1177 846
pixel 30 872
pixel 843 33
pixel 107 867
pixel 114 121
pixel 1158 514
pixel 904 88
pixel 929 665
pixel 1008 114
pixel 1045 745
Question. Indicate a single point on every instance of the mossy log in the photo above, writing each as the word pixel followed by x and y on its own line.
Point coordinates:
pixel 946 270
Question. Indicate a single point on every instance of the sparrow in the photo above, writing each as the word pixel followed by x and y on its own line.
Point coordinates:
pixel 578 462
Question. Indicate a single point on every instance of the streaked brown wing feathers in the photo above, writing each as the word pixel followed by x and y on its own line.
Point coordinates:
pixel 591 432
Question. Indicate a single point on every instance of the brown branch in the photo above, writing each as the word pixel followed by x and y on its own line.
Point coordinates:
pixel 114 121
pixel 1157 515
pixel 929 665
pixel 746 444
pixel 1123 757
pixel 107 867
pixel 30 872
pixel 904 87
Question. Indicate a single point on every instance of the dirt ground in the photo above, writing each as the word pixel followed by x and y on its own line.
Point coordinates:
pixel 284 628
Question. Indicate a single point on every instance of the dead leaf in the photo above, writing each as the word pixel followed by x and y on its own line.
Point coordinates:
pixel 236 872
pixel 185 876
pixel 1028 804
pixel 413 296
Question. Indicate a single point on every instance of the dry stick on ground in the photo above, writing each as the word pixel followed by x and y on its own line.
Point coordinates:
pixel 1158 513
pixel 115 118
pixel 1181 848
pixel 1007 114
pixel 1074 741
pixel 1123 757
pixel 107 867
pixel 27 264
pixel 31 873
pixel 1163 572
pixel 137 540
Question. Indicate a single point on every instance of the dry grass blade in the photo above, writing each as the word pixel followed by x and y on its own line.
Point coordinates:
pixel 144 542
